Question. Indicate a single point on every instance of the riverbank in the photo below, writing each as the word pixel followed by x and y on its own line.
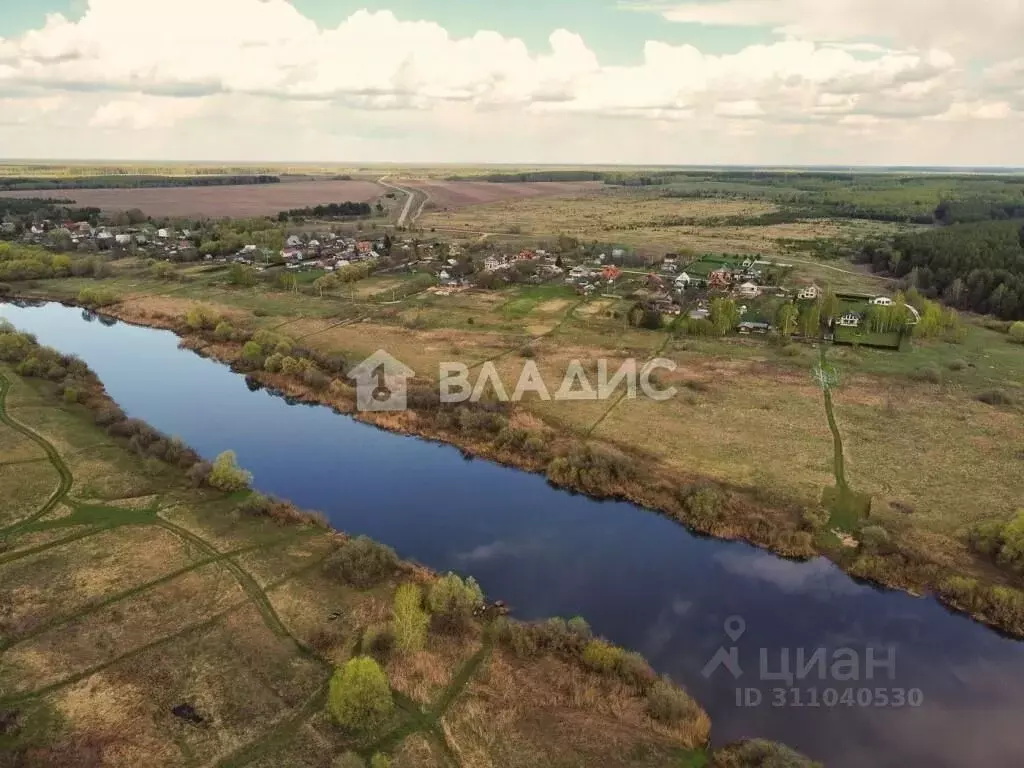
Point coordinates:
pixel 604 469
pixel 97 671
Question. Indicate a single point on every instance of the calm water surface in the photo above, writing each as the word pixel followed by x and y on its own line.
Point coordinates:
pixel 639 579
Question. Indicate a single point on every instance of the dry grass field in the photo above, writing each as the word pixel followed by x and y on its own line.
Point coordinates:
pixel 236 201
pixel 649 224
pixel 122 616
pixel 445 195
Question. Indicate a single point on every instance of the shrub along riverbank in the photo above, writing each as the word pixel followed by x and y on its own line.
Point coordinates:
pixel 358 655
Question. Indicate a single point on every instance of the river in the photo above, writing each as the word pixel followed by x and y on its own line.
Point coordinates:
pixel 638 578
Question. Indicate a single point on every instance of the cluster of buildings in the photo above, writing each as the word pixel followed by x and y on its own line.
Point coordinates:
pixel 149 240
pixel 327 251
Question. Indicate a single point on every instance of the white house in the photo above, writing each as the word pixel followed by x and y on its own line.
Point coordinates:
pixel 491 264
pixel 683 281
pixel 810 293
pixel 163 234
pixel 578 272
pixel 294 241
pixel 849 320
pixel 748 291
pixel 882 301
pixel 123 239
pixel 444 276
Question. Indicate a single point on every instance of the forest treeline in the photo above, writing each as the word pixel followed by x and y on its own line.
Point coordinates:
pixel 35 208
pixel 977 267
pixel 22 183
pixel 328 211
pixel 531 176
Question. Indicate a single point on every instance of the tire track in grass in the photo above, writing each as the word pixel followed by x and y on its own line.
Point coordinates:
pixel 106 602
pixel 8 701
pixel 66 478
pixel 622 396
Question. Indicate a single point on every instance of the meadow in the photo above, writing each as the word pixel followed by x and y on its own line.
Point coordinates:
pixel 145 619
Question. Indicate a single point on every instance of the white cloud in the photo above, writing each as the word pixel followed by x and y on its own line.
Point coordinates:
pixel 258 76
pixel 984 27
pixel 144 112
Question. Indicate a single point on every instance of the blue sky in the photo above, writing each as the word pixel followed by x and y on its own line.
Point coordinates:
pixel 612 30
pixel 672 81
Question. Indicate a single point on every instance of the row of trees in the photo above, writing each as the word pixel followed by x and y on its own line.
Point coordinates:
pixel 329 211
pixel 18 183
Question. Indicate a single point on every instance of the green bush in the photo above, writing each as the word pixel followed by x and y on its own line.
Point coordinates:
pixel 360 697
pixel 704 507
pixel 226 475
pixel 202 319
pixel 361 562
pixel 70 395
pixel 409 619
pixel 815 518
pixel 1002 541
pixel 273 363
pixel 252 353
pixel 453 602
pixel 758 753
pixel 669 704
pixel 224 331
pixel 601 656
pixel 96 297
pixel 380 760
pixel 1016 332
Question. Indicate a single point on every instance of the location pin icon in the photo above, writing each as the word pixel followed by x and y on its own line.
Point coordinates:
pixel 735 626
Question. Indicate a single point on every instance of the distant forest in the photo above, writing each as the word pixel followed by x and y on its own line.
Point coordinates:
pixel 29 208
pixel 329 211
pixel 532 176
pixel 22 183
pixel 976 266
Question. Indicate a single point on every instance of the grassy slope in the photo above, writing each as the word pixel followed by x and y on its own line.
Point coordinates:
pixel 127 593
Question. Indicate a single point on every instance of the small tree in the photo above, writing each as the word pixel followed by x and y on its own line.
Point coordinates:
pixel 786 319
pixel 360 697
pixel 1017 332
pixel 453 601
pixel 226 475
pixel 410 620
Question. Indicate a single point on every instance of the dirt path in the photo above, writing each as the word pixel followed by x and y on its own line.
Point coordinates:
pixel 66 478
pixel 411 195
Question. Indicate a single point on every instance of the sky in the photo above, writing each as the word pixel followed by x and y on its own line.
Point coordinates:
pixel 748 82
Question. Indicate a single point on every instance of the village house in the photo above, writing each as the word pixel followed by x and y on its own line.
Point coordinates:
pixel 810 293
pixel 123 239
pixel 682 281
pixel 526 255
pixel 849 320
pixel 748 291
pixel 746 328
pixel 720 279
pixel 610 273
pixel 293 241
pixel 882 301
